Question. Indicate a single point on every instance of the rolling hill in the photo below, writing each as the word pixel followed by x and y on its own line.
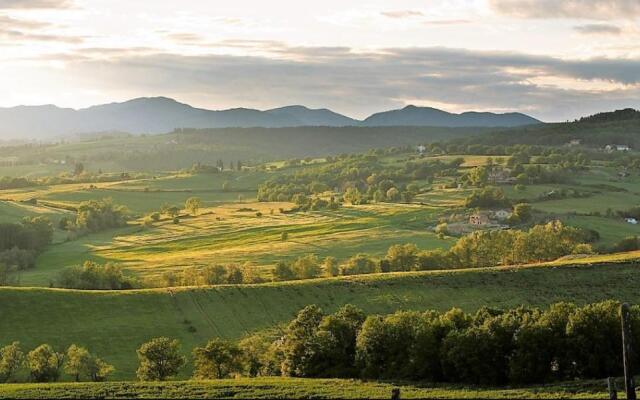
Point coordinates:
pixel 162 115
pixel 114 323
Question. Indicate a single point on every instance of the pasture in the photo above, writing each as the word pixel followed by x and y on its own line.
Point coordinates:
pixel 114 324
pixel 233 233
pixel 293 388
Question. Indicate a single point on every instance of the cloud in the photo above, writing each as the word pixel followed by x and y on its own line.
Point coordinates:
pixel 21 36
pixel 598 29
pixel 8 23
pixel 358 83
pixel 17 31
pixel 35 4
pixel 185 37
pixel 402 13
pixel 571 9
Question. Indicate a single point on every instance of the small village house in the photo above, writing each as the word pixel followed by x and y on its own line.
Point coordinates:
pixel 502 214
pixel 501 175
pixel 479 219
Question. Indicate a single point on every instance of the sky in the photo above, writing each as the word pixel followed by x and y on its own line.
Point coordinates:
pixel 553 59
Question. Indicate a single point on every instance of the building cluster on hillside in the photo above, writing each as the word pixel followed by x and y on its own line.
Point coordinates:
pixel 501 175
pixel 610 148
pixel 484 218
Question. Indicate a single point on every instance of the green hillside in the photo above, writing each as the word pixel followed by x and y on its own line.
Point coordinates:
pixel 113 324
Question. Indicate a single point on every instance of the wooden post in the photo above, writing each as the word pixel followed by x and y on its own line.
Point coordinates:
pixel 613 391
pixel 627 352
pixel 395 394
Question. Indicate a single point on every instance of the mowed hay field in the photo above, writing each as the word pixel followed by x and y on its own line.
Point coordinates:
pixel 114 324
pixel 234 233
pixel 293 388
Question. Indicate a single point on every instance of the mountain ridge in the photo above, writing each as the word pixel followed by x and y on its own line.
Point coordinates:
pixel 163 114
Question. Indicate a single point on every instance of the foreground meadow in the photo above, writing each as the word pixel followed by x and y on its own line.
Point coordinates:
pixel 290 388
pixel 115 323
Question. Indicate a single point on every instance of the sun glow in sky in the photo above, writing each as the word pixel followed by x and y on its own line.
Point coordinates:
pixel 553 59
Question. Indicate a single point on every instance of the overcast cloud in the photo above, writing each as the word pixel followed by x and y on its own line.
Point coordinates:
pixel 586 9
pixel 360 83
pixel 553 59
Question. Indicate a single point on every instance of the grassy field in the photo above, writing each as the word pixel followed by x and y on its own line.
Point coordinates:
pixel 113 324
pixel 294 388
pixel 228 234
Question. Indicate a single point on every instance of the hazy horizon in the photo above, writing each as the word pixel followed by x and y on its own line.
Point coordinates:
pixel 552 60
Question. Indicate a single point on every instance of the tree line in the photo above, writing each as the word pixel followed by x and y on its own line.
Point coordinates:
pixel 44 364
pixel 95 216
pixel 21 243
pixel 522 345
pixel 362 178
pixel 478 249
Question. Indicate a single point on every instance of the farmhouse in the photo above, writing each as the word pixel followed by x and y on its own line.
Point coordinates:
pixel 501 176
pixel 502 214
pixel 617 147
pixel 479 219
pixel 421 149
pixel 574 142
pixel 631 221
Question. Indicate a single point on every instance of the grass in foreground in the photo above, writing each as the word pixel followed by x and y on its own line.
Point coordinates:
pixel 291 388
pixel 114 324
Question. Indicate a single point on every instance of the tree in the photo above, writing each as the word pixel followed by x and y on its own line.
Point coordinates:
pixel 307 267
pixel 402 257
pixel 479 176
pixel 339 346
pixel 255 354
pixel 78 169
pixel 300 345
pixel 171 211
pixel 80 363
pixel 331 266
pixel 159 359
pixel 214 274
pixel 44 363
pixel 522 212
pixel 11 357
pixel 218 359
pixel 359 264
pixel 193 205
pixel 283 272
pixel 393 194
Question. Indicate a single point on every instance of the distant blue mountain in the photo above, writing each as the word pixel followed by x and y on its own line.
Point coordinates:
pixel 162 114
pixel 428 116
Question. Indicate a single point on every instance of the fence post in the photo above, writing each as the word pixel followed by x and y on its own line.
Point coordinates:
pixel 627 352
pixel 613 391
pixel 395 394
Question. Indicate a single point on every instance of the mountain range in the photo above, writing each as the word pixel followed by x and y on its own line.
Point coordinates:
pixel 162 114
